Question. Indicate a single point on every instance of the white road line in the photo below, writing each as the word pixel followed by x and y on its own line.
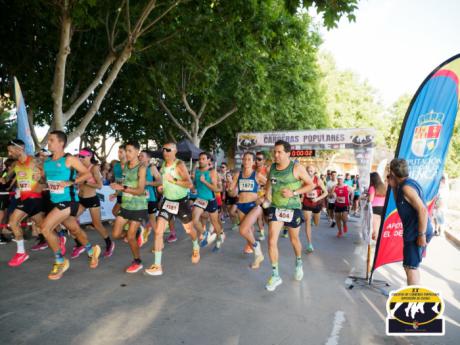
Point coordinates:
pixel 379 313
pixel 6 314
pixel 339 319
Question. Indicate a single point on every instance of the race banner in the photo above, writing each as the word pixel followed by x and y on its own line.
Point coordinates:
pixel 23 120
pixel 424 141
pixel 326 139
pixel 106 206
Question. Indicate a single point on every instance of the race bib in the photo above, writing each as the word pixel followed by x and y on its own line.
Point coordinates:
pixel 284 215
pixel 341 199
pixel 312 195
pixel 24 186
pixel 55 187
pixel 246 185
pixel 171 206
pixel 201 203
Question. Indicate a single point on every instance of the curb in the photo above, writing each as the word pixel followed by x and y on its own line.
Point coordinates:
pixel 452 238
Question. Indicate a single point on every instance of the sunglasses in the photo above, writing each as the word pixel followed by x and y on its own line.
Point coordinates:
pixel 15 144
pixel 259 159
pixel 166 149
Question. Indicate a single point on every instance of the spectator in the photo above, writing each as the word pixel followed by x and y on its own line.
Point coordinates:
pixel 377 192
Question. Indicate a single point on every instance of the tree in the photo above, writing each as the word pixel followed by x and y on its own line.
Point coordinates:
pixel 7 124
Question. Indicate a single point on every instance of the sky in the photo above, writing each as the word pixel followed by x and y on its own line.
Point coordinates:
pixel 395 44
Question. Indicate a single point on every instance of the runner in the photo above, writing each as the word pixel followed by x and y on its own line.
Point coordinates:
pixel 152 181
pixel 206 184
pixel 60 171
pixel 342 193
pixel 231 199
pixel 287 181
pixel 331 183
pixel 134 205
pixel 28 175
pixel 312 204
pixel 118 177
pixel 247 182
pixel 6 186
pixel 176 183
pixel 262 169
pixel 356 196
pixel 89 200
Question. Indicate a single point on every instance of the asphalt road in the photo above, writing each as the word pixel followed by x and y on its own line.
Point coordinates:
pixel 219 301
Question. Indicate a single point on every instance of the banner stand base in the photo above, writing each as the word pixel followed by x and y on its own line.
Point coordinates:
pixel 375 284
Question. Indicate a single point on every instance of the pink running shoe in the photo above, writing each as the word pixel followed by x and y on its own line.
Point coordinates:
pixel 18 259
pixel 171 238
pixel 109 251
pixel 77 251
pixel 62 242
pixel 39 246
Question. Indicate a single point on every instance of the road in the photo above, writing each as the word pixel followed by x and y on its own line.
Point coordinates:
pixel 219 301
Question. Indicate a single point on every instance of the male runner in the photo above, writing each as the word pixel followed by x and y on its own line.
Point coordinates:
pixel 28 176
pixel 287 181
pixel 331 183
pixel 206 184
pixel 176 184
pixel 133 209
pixel 118 177
pixel 312 204
pixel 60 171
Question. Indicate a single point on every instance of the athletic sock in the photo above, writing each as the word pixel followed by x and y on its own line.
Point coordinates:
pixel 158 258
pixel 257 248
pixel 89 249
pixel 275 270
pixel 41 238
pixel 78 243
pixel 108 242
pixel 138 261
pixel 298 261
pixel 59 257
pixel 20 244
pixel 195 244
pixel 61 233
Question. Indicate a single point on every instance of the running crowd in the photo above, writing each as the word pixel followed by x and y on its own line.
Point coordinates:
pixel 52 189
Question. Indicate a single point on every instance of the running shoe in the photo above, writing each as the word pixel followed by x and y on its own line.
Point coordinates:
pixel 345 228
pixel 39 246
pixel 204 241
pixel 154 270
pixel 310 248
pixel 172 237
pixel 273 283
pixel 235 227
pixel 18 259
pixel 109 251
pixel 134 267
pixel 94 259
pixel 332 224
pixel 219 243
pixel 62 242
pixel 195 256
pixel 339 234
pixel 76 251
pixel 248 249
pixel 298 272
pixel 58 270
pixel 257 261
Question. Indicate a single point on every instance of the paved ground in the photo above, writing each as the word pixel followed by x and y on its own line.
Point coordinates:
pixel 220 301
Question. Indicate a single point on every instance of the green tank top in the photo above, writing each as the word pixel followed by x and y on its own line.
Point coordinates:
pixel 131 180
pixel 281 179
pixel 172 191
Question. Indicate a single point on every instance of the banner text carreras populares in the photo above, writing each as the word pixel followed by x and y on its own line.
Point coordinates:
pixel 424 141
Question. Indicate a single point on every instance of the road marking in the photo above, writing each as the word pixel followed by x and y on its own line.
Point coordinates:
pixel 373 306
pixel 339 319
pixel 6 314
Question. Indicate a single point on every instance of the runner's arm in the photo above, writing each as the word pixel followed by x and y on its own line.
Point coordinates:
pixel 301 173
pixel 83 172
pixel 323 189
pixel 156 175
pixel 186 181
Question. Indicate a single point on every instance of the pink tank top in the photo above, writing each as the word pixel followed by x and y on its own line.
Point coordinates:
pixel 379 200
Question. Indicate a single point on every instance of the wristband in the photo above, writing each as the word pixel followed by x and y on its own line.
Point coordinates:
pixel 420 234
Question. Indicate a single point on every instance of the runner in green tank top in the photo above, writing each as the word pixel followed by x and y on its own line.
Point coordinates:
pixel 287 181
pixel 176 184
pixel 133 205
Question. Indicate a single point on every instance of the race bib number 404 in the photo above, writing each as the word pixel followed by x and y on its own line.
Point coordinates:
pixel 284 215
pixel 171 206
pixel 55 187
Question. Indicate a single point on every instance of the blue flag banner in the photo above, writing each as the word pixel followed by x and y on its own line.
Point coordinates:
pixel 23 120
pixel 424 142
